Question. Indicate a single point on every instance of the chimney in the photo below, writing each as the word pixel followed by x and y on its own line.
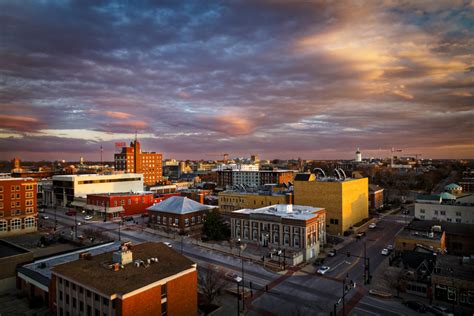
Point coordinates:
pixel 124 255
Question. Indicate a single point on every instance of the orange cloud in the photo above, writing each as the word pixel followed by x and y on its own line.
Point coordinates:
pixel 118 115
pixel 17 122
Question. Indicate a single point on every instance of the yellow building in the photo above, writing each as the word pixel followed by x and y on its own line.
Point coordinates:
pixel 345 201
pixel 230 201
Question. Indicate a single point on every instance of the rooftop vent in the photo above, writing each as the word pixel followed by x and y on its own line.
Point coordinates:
pixel 124 255
pixel 285 208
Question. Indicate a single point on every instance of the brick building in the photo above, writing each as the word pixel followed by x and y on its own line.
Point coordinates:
pixel 119 204
pixel 11 256
pixel 178 213
pixel 144 279
pixel 133 160
pixel 230 201
pixel 301 230
pixel 254 178
pixel 18 212
pixel 375 197
pixel 433 238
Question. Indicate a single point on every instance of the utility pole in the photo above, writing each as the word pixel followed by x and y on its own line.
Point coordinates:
pixel 367 275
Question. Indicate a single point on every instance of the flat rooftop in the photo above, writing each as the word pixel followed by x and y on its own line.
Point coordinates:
pixel 122 194
pixel 450 266
pixel 8 249
pixel 287 211
pixel 93 272
pixel 40 270
pixel 420 235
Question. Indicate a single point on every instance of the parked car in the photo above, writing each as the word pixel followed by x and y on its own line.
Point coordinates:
pixel 385 252
pixel 71 213
pixel 390 247
pixel 323 270
pixel 360 235
pixel 439 310
pixel 419 307
pixel 88 217
pixel 372 225
pixel 41 210
pixel 233 277
pixel 168 244
pixel 332 253
pixel 44 216
pixel 127 219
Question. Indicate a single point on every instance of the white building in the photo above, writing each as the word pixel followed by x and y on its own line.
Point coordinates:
pixel 237 167
pixel 68 187
pixel 299 230
pixel 358 157
pixel 445 207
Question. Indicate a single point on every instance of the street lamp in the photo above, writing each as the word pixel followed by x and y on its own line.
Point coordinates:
pixel 241 249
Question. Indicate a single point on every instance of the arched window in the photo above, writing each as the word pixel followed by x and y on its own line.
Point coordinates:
pixel 15 224
pixel 30 222
pixel 254 234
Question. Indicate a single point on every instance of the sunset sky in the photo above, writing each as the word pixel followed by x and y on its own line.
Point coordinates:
pixel 315 79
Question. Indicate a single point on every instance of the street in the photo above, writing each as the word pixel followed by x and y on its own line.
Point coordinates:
pixel 294 292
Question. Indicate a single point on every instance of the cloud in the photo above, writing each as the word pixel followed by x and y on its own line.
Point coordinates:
pixel 277 77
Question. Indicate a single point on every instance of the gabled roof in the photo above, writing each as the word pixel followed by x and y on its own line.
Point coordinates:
pixel 453 186
pixel 179 205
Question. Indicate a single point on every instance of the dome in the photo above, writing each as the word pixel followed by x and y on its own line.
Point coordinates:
pixel 453 187
pixel 447 196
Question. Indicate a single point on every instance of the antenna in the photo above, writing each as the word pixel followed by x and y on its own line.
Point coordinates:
pixel 136 131
pixel 101 151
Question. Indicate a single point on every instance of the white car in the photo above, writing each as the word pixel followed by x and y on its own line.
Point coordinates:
pixel 390 247
pixel 233 276
pixel 88 217
pixel 323 270
pixel 385 252
pixel 168 244
pixel 44 216
pixel 372 226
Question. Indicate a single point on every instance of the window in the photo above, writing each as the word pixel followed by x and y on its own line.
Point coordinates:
pixel 115 203
pixel 458 220
pixel 67 283
pixel 12 188
pixel 18 188
pixel 81 306
pixel 458 213
pixel 81 289
pixel 29 210
pixel 67 298
pixel 176 221
pixel 1 188
pixel 96 296
pixel 60 295
pixel 88 293
pixel 436 212
pixel 60 281
pixel 199 219
pixel 74 302
pixel 1 206
pixel 17 203
pixel 29 195
pixel 164 220
pixel 193 220
pixel 186 222
pixel 170 221
pixel 15 224
pixel 164 291
pixel 122 202
pixel 422 211
pixel 129 201
pixel 442 212
pixel 3 226
pixel 105 301
pixel 164 309
pixel 29 222
pixel 1 197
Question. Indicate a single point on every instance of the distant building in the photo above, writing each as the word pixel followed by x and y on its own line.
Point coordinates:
pixel 144 279
pixel 467 181
pixel 345 200
pixel 375 197
pixel 453 188
pixel 432 238
pixel 119 204
pixel 68 187
pixel 254 159
pixel 18 206
pixel 249 175
pixel 300 230
pixel 358 156
pixel 235 200
pixel 178 213
pixel 133 160
pixel 445 207
pixel 459 237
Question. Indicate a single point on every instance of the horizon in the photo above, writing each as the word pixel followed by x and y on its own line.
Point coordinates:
pixel 273 78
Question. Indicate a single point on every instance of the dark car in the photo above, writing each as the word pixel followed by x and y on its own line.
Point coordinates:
pixel 419 307
pixel 128 219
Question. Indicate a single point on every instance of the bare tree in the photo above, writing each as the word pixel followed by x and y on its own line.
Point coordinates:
pixel 211 282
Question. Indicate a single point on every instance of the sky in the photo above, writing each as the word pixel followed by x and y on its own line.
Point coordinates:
pixel 197 79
